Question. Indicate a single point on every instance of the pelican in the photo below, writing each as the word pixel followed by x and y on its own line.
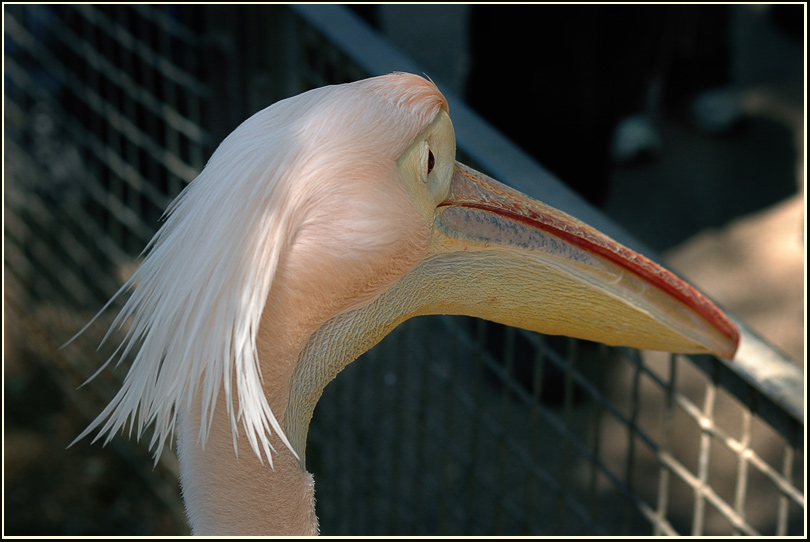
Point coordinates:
pixel 317 226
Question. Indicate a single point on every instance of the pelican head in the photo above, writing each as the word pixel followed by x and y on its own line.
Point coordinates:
pixel 318 225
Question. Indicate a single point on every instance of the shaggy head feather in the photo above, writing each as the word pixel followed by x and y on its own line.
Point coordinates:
pixel 198 297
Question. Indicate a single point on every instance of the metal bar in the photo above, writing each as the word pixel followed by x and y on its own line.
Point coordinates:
pixel 784 503
pixel 703 460
pixel 663 472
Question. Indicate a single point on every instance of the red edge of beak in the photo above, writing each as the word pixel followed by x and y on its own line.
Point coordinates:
pixel 577 233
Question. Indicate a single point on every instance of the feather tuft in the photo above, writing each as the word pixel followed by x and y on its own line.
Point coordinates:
pixel 199 294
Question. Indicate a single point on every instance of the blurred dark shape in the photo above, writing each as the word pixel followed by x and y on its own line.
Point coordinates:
pixel 368 12
pixel 558 79
pixel 789 18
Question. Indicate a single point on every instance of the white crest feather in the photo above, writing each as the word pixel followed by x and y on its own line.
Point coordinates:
pixel 198 297
pixel 199 294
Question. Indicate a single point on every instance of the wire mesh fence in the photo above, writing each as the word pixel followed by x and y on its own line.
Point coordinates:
pixel 450 425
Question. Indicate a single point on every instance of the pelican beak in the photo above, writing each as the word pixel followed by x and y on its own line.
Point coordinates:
pixel 500 255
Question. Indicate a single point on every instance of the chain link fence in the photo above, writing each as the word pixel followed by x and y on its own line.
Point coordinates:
pixel 449 426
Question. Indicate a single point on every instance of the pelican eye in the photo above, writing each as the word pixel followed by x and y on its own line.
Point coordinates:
pixel 431 161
